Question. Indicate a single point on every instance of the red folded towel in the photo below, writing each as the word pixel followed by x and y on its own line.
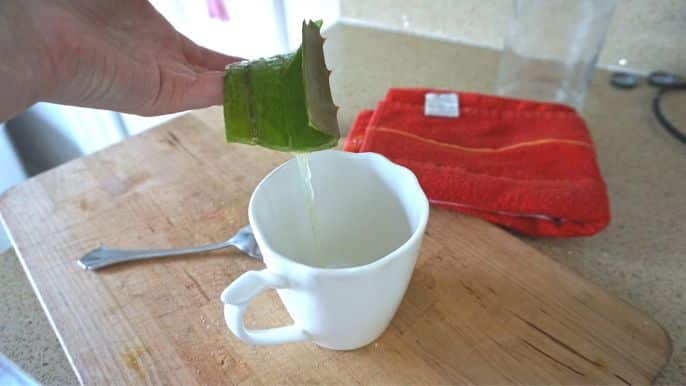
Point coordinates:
pixel 529 166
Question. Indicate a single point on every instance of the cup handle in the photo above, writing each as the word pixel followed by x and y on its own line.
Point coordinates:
pixel 238 295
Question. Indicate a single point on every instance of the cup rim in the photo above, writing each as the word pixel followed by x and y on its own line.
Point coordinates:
pixel 417 232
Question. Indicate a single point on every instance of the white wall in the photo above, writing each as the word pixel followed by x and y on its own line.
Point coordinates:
pixel 298 10
pixel 251 32
pixel 645 35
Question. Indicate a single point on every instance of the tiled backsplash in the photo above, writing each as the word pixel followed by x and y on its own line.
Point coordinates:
pixel 647 34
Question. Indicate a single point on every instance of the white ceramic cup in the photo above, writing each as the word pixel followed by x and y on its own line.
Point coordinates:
pixel 369 214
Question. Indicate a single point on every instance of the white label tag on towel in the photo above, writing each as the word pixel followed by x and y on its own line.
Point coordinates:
pixel 441 105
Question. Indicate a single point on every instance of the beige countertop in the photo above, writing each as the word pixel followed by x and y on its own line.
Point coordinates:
pixel 639 257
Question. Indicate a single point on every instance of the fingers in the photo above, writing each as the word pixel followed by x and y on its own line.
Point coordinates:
pixel 194 83
pixel 206 58
pixel 180 93
pixel 206 90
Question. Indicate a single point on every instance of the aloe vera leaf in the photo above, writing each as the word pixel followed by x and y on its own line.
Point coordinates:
pixel 281 102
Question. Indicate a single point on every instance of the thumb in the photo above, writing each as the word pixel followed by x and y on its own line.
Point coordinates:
pixel 206 89
pixel 206 58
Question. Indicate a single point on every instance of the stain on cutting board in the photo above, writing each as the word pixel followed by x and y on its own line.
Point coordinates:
pixel 131 357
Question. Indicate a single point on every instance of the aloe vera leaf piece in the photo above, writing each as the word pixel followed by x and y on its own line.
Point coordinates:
pixel 321 111
pixel 266 102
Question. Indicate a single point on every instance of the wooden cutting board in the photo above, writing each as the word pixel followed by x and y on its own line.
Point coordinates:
pixel 482 307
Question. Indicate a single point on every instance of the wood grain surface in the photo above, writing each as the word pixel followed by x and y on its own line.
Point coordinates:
pixel 482 306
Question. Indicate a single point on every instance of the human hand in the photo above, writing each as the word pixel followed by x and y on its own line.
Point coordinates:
pixel 117 55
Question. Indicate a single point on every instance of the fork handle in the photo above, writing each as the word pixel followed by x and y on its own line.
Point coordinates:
pixel 102 256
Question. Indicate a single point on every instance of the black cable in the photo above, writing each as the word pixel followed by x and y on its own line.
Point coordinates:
pixel 657 110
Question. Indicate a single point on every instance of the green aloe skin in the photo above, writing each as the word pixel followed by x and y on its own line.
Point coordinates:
pixel 283 102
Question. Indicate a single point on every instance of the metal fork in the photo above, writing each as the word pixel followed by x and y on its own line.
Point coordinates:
pixel 100 257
